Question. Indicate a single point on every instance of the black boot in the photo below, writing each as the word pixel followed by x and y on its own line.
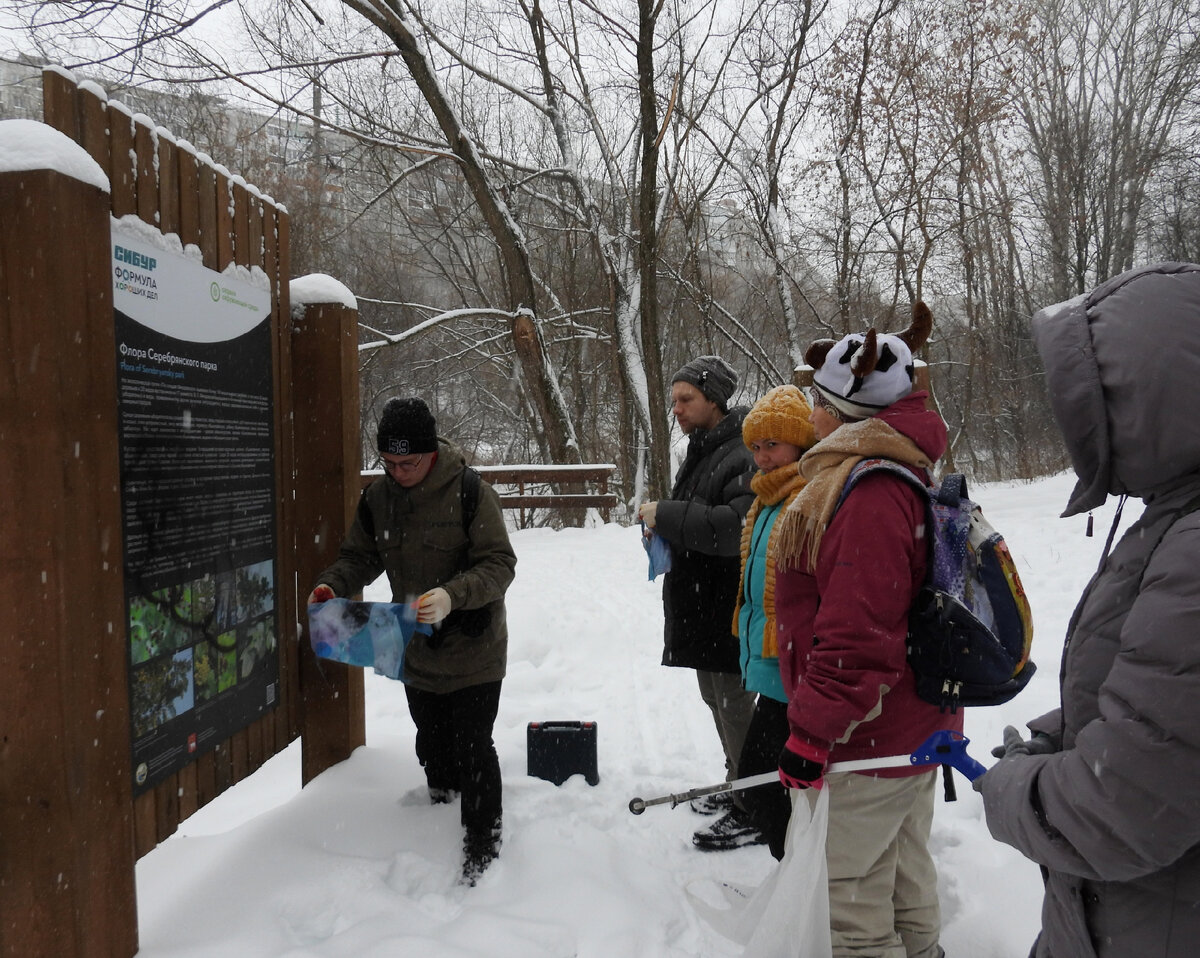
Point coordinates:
pixel 716 804
pixel 733 830
pixel 479 851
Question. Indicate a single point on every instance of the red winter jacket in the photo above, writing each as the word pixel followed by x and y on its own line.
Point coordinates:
pixel 842 627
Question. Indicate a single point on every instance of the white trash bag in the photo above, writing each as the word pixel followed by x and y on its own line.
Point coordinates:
pixel 788 915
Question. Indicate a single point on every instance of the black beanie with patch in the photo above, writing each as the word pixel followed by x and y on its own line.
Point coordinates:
pixel 406 428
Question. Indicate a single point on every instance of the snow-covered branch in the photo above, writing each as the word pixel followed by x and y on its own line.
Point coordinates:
pixel 391 339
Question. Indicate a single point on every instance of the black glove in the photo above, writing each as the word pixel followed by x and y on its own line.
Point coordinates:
pixel 796 771
pixel 1037 744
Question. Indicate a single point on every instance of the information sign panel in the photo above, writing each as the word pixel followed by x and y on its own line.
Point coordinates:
pixel 196 420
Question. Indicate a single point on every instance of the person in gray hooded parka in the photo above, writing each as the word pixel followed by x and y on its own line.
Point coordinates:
pixel 1105 794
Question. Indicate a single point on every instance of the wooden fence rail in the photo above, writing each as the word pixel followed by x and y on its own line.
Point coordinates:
pixel 552 476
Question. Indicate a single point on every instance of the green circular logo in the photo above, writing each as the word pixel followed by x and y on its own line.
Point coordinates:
pixel 215 292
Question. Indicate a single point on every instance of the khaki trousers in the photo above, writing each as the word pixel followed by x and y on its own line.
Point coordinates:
pixel 883 900
pixel 731 707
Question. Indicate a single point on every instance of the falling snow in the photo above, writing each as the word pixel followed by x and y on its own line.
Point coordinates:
pixel 358 864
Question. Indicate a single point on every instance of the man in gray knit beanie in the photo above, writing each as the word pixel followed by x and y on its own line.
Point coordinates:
pixel 702 523
pixel 714 377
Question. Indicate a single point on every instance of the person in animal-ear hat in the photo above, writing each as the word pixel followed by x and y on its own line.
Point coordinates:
pixel 860 375
pixel 847 573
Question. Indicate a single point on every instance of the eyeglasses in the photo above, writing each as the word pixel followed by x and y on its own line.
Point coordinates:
pixel 820 402
pixel 401 465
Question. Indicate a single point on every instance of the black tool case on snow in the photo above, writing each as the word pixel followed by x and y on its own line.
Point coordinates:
pixel 558 750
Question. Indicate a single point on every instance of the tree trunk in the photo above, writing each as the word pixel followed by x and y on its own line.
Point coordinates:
pixel 658 479
pixel 536 368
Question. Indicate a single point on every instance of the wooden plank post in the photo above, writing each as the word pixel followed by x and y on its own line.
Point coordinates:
pixel 168 187
pixel 66 833
pixel 277 263
pixel 326 448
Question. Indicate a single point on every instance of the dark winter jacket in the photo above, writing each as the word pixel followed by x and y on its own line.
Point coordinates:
pixel 843 623
pixel 416 536
pixel 702 521
pixel 1114 817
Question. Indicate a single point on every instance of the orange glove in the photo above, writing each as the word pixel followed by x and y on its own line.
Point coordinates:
pixel 321 593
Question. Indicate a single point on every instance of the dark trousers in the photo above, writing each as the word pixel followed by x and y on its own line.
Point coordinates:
pixel 767 805
pixel 454 746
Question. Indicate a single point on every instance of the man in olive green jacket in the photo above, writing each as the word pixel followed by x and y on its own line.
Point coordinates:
pixel 410 524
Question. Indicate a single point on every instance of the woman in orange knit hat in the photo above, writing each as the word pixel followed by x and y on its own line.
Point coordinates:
pixel 777 431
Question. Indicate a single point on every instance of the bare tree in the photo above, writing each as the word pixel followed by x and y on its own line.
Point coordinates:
pixel 160 27
pixel 390 17
pixel 750 115
pixel 551 205
pixel 1111 80
pixel 646 246
pixel 846 87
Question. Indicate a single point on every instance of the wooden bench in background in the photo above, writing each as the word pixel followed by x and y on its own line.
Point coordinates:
pixel 538 486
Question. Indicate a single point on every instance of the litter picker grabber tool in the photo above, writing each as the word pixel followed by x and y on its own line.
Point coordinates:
pixel 941 748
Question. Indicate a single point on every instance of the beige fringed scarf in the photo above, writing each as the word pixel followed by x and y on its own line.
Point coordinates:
pixel 826 467
pixel 778 485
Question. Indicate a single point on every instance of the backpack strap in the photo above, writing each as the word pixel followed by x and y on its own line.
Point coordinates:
pixel 469 497
pixel 867 466
pixel 949 488
pixel 468 502
pixel 953 490
pixel 365 516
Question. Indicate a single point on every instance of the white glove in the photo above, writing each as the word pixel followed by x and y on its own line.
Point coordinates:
pixel 647 512
pixel 433 606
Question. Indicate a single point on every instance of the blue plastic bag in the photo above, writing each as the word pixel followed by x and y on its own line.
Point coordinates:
pixel 658 550
pixel 367 634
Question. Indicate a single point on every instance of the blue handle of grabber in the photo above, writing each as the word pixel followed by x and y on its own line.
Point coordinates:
pixel 948 748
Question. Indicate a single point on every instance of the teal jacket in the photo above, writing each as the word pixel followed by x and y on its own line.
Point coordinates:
pixel 761 673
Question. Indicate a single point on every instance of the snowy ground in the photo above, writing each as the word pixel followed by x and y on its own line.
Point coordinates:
pixel 356 866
